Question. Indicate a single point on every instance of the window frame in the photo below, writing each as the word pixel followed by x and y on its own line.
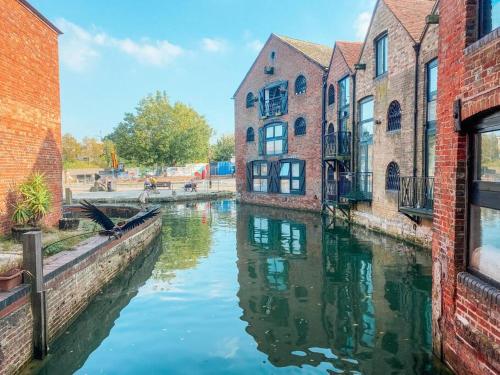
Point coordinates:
pixel 382 37
pixel 476 186
pixel 364 149
pixel 344 107
pixel 250 131
pixel 303 77
pixel 260 176
pixel 390 129
pixel 295 126
pixel 331 94
pixel 389 179
pixel 274 138
pixel 480 21
pixel 430 96
pixel 250 100
pixel 290 176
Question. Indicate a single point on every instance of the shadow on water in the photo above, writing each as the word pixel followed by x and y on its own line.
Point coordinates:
pixel 70 351
pixel 343 299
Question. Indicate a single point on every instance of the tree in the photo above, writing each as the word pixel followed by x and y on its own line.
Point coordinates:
pixel 162 134
pixel 71 149
pixel 88 153
pixel 223 150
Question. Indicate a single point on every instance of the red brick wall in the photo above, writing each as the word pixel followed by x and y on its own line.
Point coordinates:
pixel 30 130
pixel 465 321
pixel 289 64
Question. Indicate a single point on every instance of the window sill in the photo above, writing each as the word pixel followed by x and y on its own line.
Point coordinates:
pixel 392 132
pixel 483 41
pixel 381 77
pixel 486 291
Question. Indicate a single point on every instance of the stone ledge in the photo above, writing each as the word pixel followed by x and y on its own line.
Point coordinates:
pixel 494 35
pixel 8 298
pixel 486 291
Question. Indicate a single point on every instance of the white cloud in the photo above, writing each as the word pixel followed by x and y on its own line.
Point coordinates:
pixel 255 45
pixel 362 23
pixel 80 48
pixel 213 45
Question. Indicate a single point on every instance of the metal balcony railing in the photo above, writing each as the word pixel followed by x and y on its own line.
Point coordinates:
pixel 354 187
pixel 416 196
pixel 272 106
pixel 338 145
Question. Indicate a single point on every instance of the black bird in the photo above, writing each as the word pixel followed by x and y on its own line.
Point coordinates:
pixel 110 228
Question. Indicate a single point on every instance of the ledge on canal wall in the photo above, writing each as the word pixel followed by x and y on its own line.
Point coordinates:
pixel 71 279
pixel 201 196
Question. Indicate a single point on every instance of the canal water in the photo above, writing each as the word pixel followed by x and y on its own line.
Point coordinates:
pixel 234 289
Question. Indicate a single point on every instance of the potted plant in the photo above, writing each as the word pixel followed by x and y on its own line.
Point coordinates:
pixel 33 202
pixel 10 279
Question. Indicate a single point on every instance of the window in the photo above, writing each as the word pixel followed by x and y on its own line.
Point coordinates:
pixel 300 85
pixel 259 174
pixel 489 16
pixel 292 237
pixel 381 55
pixel 344 101
pixel 366 135
pixel 392 177
pixel 331 95
pixel 272 56
pixel 260 231
pixel 484 235
pixel 250 135
pixel 292 177
pixel 430 128
pixel 300 126
pixel 273 139
pixel 250 100
pixel 273 99
pixel 394 116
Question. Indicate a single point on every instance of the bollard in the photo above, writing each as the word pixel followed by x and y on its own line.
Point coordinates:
pixel 68 196
pixel 33 263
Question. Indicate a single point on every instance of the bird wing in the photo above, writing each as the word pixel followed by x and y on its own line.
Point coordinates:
pixel 96 215
pixel 134 222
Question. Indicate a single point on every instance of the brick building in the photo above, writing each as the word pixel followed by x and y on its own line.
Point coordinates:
pixel 30 130
pixel 466 241
pixel 278 113
pixel 387 183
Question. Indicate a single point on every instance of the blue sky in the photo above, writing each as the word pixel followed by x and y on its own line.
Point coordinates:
pixel 114 52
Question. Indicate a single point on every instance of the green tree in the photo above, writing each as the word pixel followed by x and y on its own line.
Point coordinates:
pixel 223 149
pixel 162 134
pixel 71 149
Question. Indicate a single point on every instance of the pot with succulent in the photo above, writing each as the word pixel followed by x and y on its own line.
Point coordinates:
pixel 32 204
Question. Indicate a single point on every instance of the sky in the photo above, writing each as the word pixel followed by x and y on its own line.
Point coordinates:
pixel 115 52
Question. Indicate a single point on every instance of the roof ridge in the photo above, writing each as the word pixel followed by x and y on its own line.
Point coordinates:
pixel 300 40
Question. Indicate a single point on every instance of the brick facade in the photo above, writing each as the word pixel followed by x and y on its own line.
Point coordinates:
pixel 289 63
pixel 466 312
pixel 30 124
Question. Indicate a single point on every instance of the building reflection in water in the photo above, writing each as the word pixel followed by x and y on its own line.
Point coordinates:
pixel 346 298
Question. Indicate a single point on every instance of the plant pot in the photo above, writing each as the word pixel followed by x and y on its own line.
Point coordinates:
pixel 9 280
pixel 18 231
pixel 69 223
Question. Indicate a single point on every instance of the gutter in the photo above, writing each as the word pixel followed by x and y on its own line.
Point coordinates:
pixel 416 47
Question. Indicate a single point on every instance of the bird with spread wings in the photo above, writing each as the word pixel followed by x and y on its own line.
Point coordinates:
pixel 110 228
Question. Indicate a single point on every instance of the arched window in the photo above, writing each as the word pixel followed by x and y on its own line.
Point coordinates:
pixel 392 177
pixel 300 85
pixel 250 135
pixel 331 95
pixel 250 100
pixel 394 116
pixel 300 126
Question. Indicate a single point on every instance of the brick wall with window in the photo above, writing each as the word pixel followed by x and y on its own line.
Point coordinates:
pixel 291 154
pixel 466 274
pixel 30 131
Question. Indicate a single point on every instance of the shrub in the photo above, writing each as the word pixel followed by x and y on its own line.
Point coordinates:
pixel 33 201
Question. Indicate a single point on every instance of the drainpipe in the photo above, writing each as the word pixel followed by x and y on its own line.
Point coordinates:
pixel 416 47
pixel 323 123
pixel 353 128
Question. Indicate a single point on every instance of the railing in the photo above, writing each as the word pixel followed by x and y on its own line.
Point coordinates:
pixel 416 196
pixel 338 145
pixel 350 187
pixel 272 106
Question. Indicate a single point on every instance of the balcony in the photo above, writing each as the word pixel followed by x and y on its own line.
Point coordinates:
pixel 272 107
pixel 416 196
pixel 338 145
pixel 350 187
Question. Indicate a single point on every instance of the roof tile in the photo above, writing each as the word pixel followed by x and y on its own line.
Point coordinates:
pixel 411 14
pixel 319 53
pixel 351 52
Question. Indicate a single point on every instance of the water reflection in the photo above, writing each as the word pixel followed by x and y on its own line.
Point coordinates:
pixel 346 297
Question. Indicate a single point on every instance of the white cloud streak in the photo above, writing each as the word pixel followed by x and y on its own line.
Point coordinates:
pixel 361 24
pixel 81 48
pixel 255 45
pixel 213 45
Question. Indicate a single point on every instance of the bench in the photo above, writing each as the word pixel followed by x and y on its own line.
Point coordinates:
pixel 164 184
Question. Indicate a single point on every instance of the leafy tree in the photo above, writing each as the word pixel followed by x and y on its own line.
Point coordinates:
pixel 162 134
pixel 71 148
pixel 88 153
pixel 223 150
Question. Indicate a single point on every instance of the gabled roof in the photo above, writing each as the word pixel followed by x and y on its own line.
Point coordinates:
pixel 316 53
pixel 319 53
pixel 411 14
pixel 350 51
